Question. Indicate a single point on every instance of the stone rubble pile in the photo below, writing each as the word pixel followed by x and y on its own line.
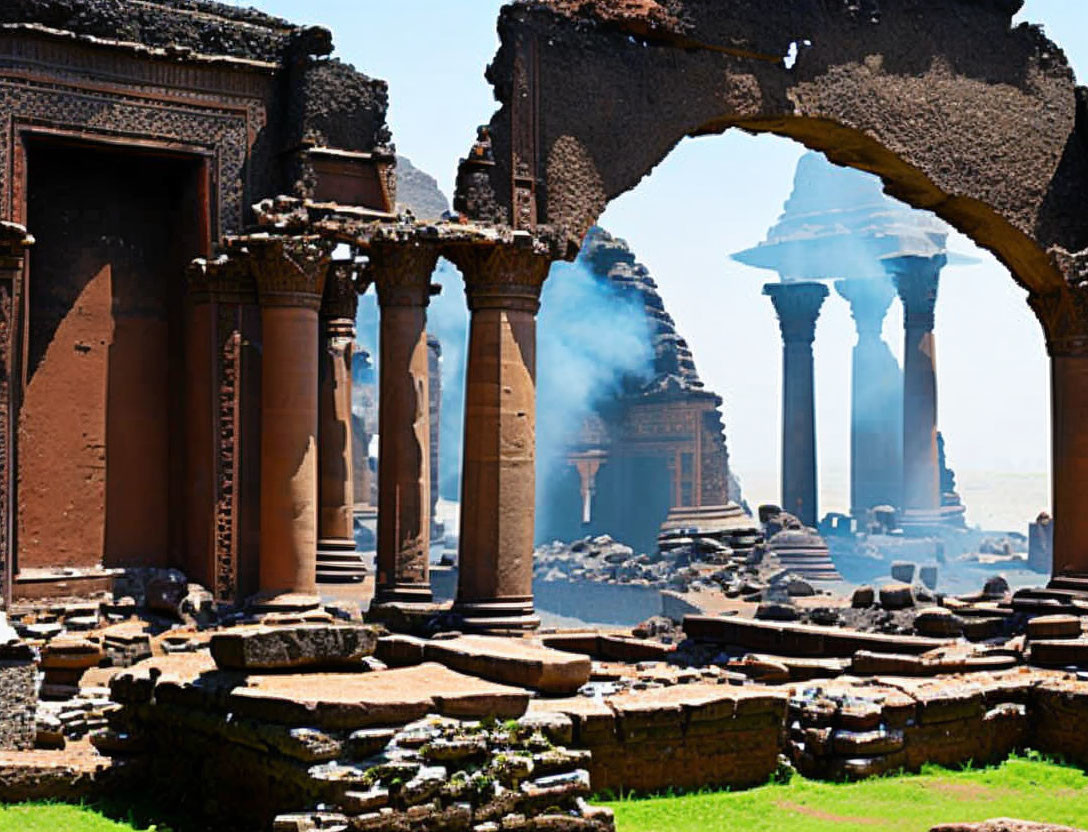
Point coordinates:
pixel 683 564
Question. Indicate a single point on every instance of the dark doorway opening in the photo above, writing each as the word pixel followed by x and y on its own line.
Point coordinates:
pixel 101 439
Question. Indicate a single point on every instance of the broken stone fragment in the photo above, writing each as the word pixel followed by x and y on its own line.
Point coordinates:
pixel 285 647
pixel 896 596
pixel 863 597
pixel 513 661
pixel 71 653
pixel 1054 626
pixel 938 622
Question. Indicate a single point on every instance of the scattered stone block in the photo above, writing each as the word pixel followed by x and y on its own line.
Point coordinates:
pixel 1059 652
pixel 896 596
pixel 291 647
pixel 336 701
pixel 513 661
pixel 777 611
pixel 938 622
pixel 863 597
pixel 1054 627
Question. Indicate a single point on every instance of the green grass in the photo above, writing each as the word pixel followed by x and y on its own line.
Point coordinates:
pixel 1023 787
pixel 58 817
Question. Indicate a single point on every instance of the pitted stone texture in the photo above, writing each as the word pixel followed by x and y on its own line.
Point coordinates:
pixel 339 701
pixel 287 647
pixel 512 661
pixel 930 96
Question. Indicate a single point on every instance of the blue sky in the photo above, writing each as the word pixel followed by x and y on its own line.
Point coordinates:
pixel 993 371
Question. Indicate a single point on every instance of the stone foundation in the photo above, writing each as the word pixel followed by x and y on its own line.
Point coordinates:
pixel 18 698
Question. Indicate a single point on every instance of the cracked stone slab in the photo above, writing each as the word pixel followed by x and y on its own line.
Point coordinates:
pixel 294 646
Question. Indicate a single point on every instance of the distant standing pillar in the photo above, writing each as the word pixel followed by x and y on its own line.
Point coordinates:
pixel 290 276
pixel 917 280
pixel 798 307
pixel 876 406
pixel 495 575
pixel 1063 312
pixel 402 275
pixel 337 559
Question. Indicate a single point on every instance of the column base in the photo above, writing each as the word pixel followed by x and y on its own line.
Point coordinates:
pixel 500 616
pixel 339 563
pixel 403 594
pixel 922 522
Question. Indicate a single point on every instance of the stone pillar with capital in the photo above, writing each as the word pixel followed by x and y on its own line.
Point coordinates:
pixel 798 307
pixel 402 276
pixel 1064 316
pixel 495 574
pixel 337 558
pixel 917 280
pixel 290 274
pixel 876 412
pixel 14 242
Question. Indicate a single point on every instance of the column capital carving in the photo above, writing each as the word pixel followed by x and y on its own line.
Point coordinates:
pixel 798 307
pixel 869 300
pixel 502 276
pixel 1063 313
pixel 14 241
pixel 401 272
pixel 341 299
pixel 917 280
pixel 288 271
pixel 227 279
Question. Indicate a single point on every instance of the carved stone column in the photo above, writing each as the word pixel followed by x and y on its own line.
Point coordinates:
pixel 402 276
pixel 1064 315
pixel 14 241
pixel 337 559
pixel 798 307
pixel 495 575
pixel 917 280
pixel 290 276
pixel 876 407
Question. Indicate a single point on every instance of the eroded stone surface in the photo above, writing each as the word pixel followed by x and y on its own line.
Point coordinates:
pixel 512 661
pixel 285 647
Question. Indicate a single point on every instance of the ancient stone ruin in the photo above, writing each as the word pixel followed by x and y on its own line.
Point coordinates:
pixel 192 199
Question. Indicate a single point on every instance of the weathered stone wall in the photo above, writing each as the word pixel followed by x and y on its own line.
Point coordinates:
pixel 957 111
pixel 18 703
pixel 686 737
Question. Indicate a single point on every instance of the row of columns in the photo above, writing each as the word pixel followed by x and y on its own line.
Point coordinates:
pixel 307 319
pixel 798 307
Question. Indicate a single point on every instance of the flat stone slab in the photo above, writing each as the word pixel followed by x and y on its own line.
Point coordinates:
pixel 788 639
pixel 1064 652
pixel 1054 626
pixel 286 647
pixel 512 661
pixel 345 701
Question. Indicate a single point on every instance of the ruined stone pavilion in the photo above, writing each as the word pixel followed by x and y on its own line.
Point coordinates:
pixel 192 199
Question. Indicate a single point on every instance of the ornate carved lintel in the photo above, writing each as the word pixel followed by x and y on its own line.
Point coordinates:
pixel 401 272
pixel 798 307
pixel 502 276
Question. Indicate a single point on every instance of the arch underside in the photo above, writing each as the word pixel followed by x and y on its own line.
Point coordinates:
pixel 958 112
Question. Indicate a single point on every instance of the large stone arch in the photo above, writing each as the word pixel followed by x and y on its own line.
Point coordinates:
pixel 955 109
